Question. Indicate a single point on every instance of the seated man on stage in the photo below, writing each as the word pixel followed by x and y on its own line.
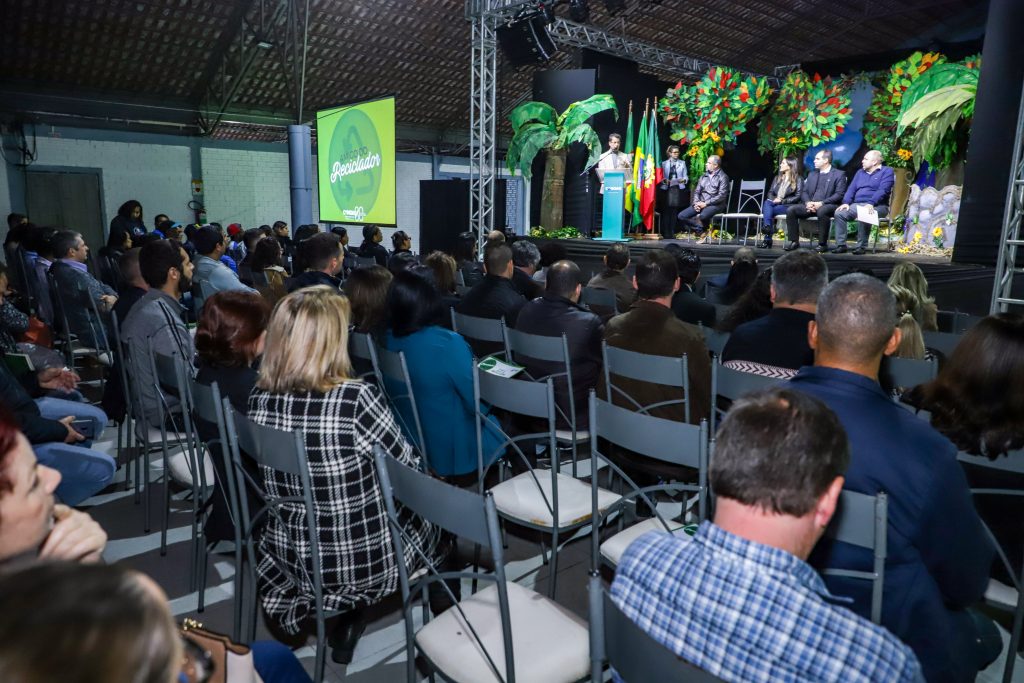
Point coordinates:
pixel 709 198
pixel 870 189
pixel 821 194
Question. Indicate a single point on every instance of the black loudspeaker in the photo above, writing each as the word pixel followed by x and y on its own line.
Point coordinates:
pixel 526 41
pixel 444 212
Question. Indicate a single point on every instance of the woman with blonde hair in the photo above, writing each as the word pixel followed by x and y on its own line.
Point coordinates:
pixel 907 274
pixel 784 192
pixel 306 385
pixel 912 341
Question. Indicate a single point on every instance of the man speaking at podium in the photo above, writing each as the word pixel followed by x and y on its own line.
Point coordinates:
pixel 614 159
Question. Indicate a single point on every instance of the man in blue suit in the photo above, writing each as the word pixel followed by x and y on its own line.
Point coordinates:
pixel 870 189
pixel 939 555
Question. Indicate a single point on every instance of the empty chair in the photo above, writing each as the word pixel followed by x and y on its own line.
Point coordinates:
pixel 485 335
pixel 748 208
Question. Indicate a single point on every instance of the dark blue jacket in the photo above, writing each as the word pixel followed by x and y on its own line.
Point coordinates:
pixel 939 555
pixel 873 188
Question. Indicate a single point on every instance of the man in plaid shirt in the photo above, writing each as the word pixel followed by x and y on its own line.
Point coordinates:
pixel 738 600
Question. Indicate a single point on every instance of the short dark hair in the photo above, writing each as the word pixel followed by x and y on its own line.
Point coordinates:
pixel 688 263
pixel 230 327
pixel 250 237
pixel 319 249
pixel 552 251
pixel 206 240
pixel 616 136
pixel 799 276
pixel 497 257
pixel 563 278
pixel 413 303
pixel 279 224
pixel 398 238
pixel 14 219
pixel 825 152
pixel 617 257
pixel 157 258
pixel 656 274
pixel 525 254
pixel 495 237
pixel 369 231
pixel 856 316
pixel 304 232
pixel 63 242
pixel 39 238
pixel 778 450
pixel 340 230
pixel 465 245
pixel 128 264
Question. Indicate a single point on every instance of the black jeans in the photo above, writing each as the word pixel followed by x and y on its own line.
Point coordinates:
pixel 797 211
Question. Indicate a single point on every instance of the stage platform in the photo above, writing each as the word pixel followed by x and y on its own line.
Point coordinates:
pixel 958 287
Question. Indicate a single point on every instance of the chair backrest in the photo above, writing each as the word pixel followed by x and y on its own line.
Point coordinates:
pixel 362 346
pixel 481 329
pixel 751 196
pixel 397 386
pixel 730 384
pixel 861 520
pixel 943 342
pixel 713 293
pixel 909 372
pixel 471 516
pixel 631 651
pixel 365 261
pixel 643 367
pixel 602 297
pixel 714 340
pixel 550 349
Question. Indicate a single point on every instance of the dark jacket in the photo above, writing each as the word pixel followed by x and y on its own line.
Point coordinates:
pixel 14 394
pixel 472 272
pixel 778 339
pixel 493 297
pixel 374 250
pixel 526 285
pixel 128 297
pixel 312 278
pixel 649 327
pixel 552 316
pixel 692 309
pixel 939 555
pixel 827 188
pixel 616 280
pixel 77 287
pixel 712 188
pixel 790 196
pixel 121 223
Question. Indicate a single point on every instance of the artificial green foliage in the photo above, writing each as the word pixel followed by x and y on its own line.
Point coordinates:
pixel 567 232
pixel 808 111
pixel 538 126
pixel 882 117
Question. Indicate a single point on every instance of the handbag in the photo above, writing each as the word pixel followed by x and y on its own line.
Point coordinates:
pixel 215 657
pixel 38 333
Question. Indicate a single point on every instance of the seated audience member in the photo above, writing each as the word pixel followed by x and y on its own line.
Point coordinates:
pixel 776 344
pixel 465 253
pixel 134 286
pixel 157 318
pixel 77 287
pixel 727 288
pixel 282 235
pixel 250 238
pixel 367 291
pixel 909 310
pixel 870 189
pixel 939 554
pixel 236 242
pixel 266 259
pixel 443 267
pixel 775 492
pixel 304 232
pixel 13 323
pixel 494 238
pixel 403 260
pixel 350 256
pixel 822 192
pixel 39 240
pixel 323 258
pixel 784 193
pixel 372 247
pixel 494 296
pixel 613 277
pixel 650 327
pixel 211 274
pixel 687 304
pixel 229 342
pixel 441 370
pixel 755 303
pixel 709 198
pixel 525 257
pixel 401 242
pixel 556 313
pixel 909 275
pixel 161 225
pixel 128 218
pixel 550 252
pixel 117 245
pixel 306 385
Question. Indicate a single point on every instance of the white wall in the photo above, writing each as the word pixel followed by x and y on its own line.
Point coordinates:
pixel 248 187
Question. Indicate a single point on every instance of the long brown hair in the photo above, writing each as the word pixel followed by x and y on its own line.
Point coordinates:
pixel 790 175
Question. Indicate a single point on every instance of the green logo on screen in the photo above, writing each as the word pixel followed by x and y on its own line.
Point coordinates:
pixel 355 164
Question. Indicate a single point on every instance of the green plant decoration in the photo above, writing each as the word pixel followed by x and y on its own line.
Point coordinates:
pixel 710 114
pixel 938 106
pixel 538 126
pixel 882 118
pixel 808 111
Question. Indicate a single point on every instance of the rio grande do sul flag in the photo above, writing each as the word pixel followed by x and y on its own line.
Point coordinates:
pixel 652 173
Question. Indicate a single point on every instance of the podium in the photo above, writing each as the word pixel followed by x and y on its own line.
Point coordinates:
pixel 614 198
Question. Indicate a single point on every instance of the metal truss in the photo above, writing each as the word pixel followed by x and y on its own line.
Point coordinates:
pixel 1007 264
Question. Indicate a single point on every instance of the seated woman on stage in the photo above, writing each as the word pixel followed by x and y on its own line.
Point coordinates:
pixel 306 385
pixel 784 192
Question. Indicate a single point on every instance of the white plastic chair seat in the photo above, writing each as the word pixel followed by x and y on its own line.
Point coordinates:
pixel 178 466
pixel 549 643
pixel 614 547
pixel 519 498
pixel 566 435
pixel 101 356
pixel 737 215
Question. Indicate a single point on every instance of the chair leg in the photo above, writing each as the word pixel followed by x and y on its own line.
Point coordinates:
pixel 554 565
pixel 167 508
pixel 321 648
pixel 146 492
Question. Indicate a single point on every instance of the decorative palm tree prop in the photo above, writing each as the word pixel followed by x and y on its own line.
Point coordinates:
pixel 538 126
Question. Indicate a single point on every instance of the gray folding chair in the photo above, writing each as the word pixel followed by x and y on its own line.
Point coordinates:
pixel 616 639
pixel 397 386
pixel 1011 462
pixel 473 641
pixel 677 444
pixel 943 342
pixel 362 347
pixel 481 333
pixel 713 339
pixel 546 501
pixel 909 372
pixel 730 384
pixel 285 453
pixel 861 520
pixel 644 367
pixel 554 350
pixel 600 297
pixel 748 208
pixel 956 322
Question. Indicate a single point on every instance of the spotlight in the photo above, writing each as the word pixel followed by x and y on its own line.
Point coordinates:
pixel 579 11
pixel 614 6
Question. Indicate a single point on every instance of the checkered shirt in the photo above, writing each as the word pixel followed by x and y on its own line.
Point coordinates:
pixel 743 611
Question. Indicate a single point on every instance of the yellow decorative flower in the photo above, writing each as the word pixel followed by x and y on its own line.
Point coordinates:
pixel 794 139
pixel 904 154
pixel 781 140
pixel 918 236
pixel 937 232
pixel 692 152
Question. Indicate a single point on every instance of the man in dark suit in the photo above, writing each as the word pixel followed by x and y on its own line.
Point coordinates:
pixel 687 304
pixel 525 257
pixel 822 193
pixel 709 198
pixel 613 277
pixel 494 296
pixel 77 286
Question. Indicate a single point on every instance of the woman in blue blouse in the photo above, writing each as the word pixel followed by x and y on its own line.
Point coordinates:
pixel 441 369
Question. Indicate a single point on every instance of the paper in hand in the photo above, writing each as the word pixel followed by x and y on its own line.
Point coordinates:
pixel 867 214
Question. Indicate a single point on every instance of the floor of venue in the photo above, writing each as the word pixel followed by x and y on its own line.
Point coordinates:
pixel 380 655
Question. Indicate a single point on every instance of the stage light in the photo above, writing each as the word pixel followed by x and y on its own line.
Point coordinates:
pixel 614 6
pixel 579 11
